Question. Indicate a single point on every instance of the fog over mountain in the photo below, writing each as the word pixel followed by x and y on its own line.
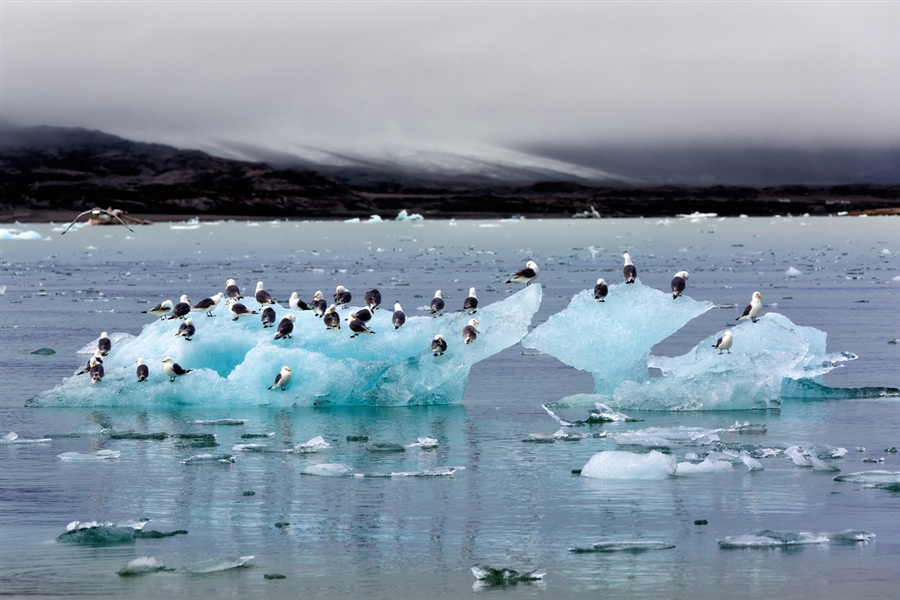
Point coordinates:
pixel 730 92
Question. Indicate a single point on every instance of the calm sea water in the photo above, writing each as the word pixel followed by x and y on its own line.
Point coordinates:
pixel 514 504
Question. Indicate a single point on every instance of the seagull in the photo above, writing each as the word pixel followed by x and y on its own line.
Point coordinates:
pixel 399 317
pixel 173 369
pixel 268 316
pixel 96 370
pixel 296 303
pixel 437 303
pixel 373 299
pixel 285 327
pixel 601 290
pixel 238 310
pixel 186 330
pixel 469 333
pixel 331 318
pixel 678 283
pixel 318 304
pixel 753 309
pixel 629 271
pixel 470 304
pixel 143 371
pixel 262 296
pixel 342 296
pixel 525 275
pixel 282 379
pixel 181 309
pixel 438 345
pixel 96 212
pixel 104 344
pixel 724 342
pixel 208 305
pixel 87 366
pixel 357 326
pixel 162 309
pixel 232 290
pixel 364 315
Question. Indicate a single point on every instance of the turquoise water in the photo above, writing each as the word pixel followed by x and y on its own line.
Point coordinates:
pixel 511 503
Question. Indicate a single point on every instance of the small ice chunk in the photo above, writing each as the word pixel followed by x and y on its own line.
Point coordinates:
pixel 504 576
pixel 616 464
pixel 208 457
pixel 793 272
pixel 633 546
pixel 604 414
pixel 540 438
pixel 747 428
pixel 405 216
pixel 707 466
pixel 426 443
pixel 327 470
pixel 773 539
pixel 13 438
pixel 141 565
pixel 316 444
pixel 824 451
pixel 98 455
pixel 385 447
pixel 226 422
pixel 852 536
pixel 820 465
pixel 565 436
pixel 794 453
pixel 874 477
pixel 215 565
pixel 752 463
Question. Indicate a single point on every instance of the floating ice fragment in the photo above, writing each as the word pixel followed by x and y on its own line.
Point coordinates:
pixel 327 470
pixel 605 414
pixel 752 463
pixel 852 536
pixel 13 438
pixel 633 546
pixel 385 447
pixel 615 464
pixel 792 272
pixel 794 453
pixel 426 443
pixel 707 466
pixel 491 576
pixel 668 437
pixel 316 444
pixel 439 472
pixel 540 438
pixel 405 216
pixel 565 436
pixel 141 565
pixel 773 539
pixel 225 422
pixel 747 428
pixel 208 457
pixel 871 477
pixel 819 465
pixel 16 234
pixel 215 565
pixel 98 455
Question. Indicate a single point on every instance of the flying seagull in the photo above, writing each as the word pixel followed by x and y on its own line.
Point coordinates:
pixel 96 212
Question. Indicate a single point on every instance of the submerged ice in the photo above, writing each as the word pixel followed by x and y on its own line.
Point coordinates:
pixel 235 362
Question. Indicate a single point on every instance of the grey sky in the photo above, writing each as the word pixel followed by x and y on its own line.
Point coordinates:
pixel 367 75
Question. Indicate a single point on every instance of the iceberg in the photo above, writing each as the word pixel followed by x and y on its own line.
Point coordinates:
pixel 612 339
pixel 633 546
pixel 233 363
pixel 707 466
pixel 773 539
pixel 141 565
pixel 616 464
pixel 105 533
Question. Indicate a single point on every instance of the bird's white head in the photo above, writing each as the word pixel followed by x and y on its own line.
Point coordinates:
pixel 167 359
pixel 140 361
pixel 189 321
pixel 318 295
pixel 757 296
pixel 340 289
pixel 286 368
pixel 291 318
pixel 438 337
pixel 683 274
pixel 472 292
pixel 184 298
pixel 601 281
pixel 473 322
pixel 439 294
pixel 532 265
pixel 103 334
pixel 627 258
pixel 229 282
pixel 168 304
pixel 259 285
pixel 397 307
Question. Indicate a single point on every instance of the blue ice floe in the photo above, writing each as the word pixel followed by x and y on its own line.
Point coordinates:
pixel 234 363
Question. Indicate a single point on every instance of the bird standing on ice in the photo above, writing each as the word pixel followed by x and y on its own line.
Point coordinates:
pixel 318 304
pixel 373 299
pixel 469 333
pixel 87 366
pixel 261 295
pixel 629 270
pixel 104 344
pixel 332 319
pixel 399 317
pixel 470 304
pixel 679 282
pixel 232 290
pixel 173 369
pixel 267 317
pixel 724 342
pixel 162 309
pixel 282 379
pixel 142 371
pixel 238 310
pixel 601 290
pixel 181 309
pixel 437 303
pixel 357 326
pixel 753 309
pixel 525 275
pixel 208 305
pixel 96 370
pixel 438 345
pixel 285 327
pixel 342 296
pixel 186 329
pixel 296 303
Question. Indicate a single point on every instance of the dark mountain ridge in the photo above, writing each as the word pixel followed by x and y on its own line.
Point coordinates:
pixel 53 173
